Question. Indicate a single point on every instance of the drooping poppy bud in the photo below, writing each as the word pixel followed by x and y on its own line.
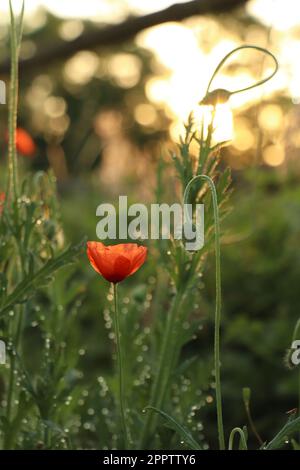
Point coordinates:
pixel 218 96
pixel 116 262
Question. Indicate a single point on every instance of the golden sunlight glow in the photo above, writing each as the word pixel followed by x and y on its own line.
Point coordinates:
pixel 270 117
pixel 274 155
pixel 223 123
pixel 243 139
pixel 125 69
pixel 81 67
pixel 184 82
pixel 178 47
pixel 157 90
pixel 282 15
pixel 71 29
pixel 295 138
pixel 171 42
pixel 145 114
pixel 188 53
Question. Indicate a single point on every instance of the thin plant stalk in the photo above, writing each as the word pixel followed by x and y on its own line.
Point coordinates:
pixel 12 184
pixel 299 401
pixel 163 372
pixel 296 336
pixel 12 378
pixel 15 41
pixel 251 422
pixel 217 367
pixel 166 355
pixel 120 365
pixel 11 383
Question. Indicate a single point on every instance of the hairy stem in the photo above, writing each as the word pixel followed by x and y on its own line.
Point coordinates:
pixel 296 336
pixel 12 183
pixel 164 370
pixel 15 39
pixel 217 367
pixel 120 366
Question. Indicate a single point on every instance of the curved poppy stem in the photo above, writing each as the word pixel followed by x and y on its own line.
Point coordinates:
pixel 120 365
pixel 210 182
pixel 256 84
pixel 242 438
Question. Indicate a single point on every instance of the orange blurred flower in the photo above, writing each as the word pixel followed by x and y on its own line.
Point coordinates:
pixel 24 143
pixel 2 199
pixel 116 262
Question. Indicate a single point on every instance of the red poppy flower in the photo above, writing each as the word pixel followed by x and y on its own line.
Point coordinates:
pixel 2 199
pixel 24 143
pixel 116 262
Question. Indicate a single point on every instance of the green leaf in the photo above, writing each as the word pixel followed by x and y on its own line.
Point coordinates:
pixel 53 427
pixel 25 405
pixel 288 430
pixel 19 29
pixel 34 281
pixel 295 444
pixel 184 434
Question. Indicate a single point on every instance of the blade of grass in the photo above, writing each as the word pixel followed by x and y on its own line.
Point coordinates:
pixel 184 434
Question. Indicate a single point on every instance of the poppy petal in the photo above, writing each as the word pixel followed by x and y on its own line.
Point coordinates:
pixel 116 262
pixel 139 259
pixel 122 268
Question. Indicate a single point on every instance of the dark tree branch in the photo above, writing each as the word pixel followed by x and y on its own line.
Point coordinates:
pixel 113 34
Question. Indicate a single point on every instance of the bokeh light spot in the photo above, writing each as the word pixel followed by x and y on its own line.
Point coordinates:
pixel 145 114
pixel 274 155
pixel 125 69
pixel 270 117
